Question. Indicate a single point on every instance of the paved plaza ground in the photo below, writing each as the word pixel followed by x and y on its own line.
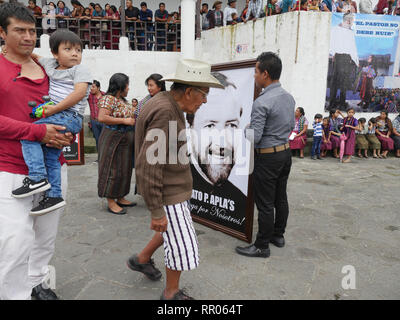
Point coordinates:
pixel 340 214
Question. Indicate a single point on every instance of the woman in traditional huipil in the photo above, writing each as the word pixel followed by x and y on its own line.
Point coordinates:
pixel 116 145
pixel 300 129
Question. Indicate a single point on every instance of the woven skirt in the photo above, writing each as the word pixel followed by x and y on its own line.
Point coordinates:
pixel 373 142
pixel 362 142
pixel 115 163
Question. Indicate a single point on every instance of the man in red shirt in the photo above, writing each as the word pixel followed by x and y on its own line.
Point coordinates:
pixel 26 242
pixel 93 99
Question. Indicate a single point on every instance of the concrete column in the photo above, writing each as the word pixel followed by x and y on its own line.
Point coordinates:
pixel 188 28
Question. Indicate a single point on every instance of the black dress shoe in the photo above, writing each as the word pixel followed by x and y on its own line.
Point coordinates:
pixel 122 205
pixel 40 293
pixel 253 251
pixel 122 211
pixel 278 241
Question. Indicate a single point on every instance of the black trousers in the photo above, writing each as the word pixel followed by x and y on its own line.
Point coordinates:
pixel 271 173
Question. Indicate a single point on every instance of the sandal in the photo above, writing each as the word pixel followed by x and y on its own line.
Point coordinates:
pixel 180 295
pixel 359 155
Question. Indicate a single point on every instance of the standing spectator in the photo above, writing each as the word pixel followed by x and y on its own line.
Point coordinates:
pixel 361 138
pixel 27 243
pixel 299 139
pixel 228 11
pixel 270 9
pixel 93 100
pixel 154 86
pixel 116 145
pixel 349 127
pixel 314 5
pixel 107 8
pixel 244 12
pixel 328 6
pixel 167 188
pixel 36 10
pixel 62 12
pixel 91 7
pixel 146 15
pixel 335 123
pixel 255 10
pixel 205 23
pixel 384 129
pixel 216 16
pixel 346 6
pixel 396 134
pixel 366 6
pixel 287 5
pixel 134 104
pixel 317 137
pixel 131 15
pixel 272 120
pixel 78 9
pixel 161 16
pixel 98 12
pixel 381 6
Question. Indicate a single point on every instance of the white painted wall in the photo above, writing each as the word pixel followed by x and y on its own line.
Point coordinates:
pixel 138 65
pixel 302 41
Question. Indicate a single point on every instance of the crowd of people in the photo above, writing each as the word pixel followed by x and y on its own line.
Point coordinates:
pixel 110 12
pixel 140 23
pixel 345 135
pixel 216 16
pixel 33 171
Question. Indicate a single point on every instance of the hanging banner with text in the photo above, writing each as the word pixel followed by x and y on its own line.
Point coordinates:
pixel 363 73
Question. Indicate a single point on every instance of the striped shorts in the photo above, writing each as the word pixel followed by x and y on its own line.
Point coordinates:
pixel 180 240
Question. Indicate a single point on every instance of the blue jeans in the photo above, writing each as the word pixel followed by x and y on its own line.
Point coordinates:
pixel 43 162
pixel 316 146
pixel 96 128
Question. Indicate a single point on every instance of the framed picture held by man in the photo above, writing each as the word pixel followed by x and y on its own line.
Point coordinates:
pixel 221 155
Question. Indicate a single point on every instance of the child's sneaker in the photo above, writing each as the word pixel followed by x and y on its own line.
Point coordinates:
pixel 47 205
pixel 31 187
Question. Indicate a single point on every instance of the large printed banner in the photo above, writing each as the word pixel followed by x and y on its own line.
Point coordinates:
pixel 220 153
pixel 363 72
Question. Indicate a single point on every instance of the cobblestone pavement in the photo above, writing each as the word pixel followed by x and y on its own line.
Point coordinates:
pixel 340 214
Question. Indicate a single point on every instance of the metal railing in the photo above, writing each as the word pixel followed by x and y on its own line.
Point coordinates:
pixel 105 33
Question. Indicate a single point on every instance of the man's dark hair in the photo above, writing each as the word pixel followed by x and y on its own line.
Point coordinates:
pixel 156 78
pixel 143 4
pixel 270 62
pixel 16 11
pixel 34 1
pixel 92 4
pixel 161 4
pixel 96 83
pixel 318 116
pixel 362 120
pixel 118 83
pixel 76 2
pixel 63 36
pixel 205 4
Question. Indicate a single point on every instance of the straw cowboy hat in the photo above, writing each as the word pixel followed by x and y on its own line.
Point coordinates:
pixel 195 73
pixel 216 3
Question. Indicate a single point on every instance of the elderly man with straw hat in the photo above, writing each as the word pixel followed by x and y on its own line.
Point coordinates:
pixel 163 174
